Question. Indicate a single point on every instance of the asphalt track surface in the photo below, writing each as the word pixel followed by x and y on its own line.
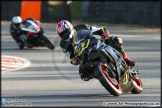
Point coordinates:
pixel 51 80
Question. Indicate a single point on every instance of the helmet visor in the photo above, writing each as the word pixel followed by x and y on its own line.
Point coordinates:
pixel 65 35
pixel 17 25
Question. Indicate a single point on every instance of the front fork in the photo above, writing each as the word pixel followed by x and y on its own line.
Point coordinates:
pixel 24 38
pixel 110 70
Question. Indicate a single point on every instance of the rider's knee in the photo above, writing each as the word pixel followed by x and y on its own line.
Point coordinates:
pixel 118 40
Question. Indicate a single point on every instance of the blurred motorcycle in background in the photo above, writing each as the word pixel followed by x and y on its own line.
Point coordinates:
pixel 33 37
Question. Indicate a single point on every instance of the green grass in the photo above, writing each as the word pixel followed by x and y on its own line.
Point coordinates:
pixel 76 10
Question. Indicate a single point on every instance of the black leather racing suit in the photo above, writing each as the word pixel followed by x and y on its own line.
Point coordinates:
pixel 15 33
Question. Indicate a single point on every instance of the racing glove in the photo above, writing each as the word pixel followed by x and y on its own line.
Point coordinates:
pixel 38 21
pixel 105 34
pixel 74 61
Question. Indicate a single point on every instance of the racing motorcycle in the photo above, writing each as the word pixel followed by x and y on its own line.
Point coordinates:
pixel 33 36
pixel 106 64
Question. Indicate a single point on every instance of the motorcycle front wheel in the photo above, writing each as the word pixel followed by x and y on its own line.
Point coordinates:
pixel 47 42
pixel 110 83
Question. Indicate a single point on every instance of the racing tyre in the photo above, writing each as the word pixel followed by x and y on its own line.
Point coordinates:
pixel 47 42
pixel 110 83
pixel 138 86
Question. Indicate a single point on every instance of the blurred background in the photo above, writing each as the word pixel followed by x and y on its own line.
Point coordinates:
pixel 145 13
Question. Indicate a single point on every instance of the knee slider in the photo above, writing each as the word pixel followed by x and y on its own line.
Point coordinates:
pixel 120 41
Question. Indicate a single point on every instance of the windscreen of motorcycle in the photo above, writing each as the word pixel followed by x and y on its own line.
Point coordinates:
pixel 81 35
pixel 30 26
pixel 81 40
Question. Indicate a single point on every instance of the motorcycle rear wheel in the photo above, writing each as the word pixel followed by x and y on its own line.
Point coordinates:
pixel 110 84
pixel 138 86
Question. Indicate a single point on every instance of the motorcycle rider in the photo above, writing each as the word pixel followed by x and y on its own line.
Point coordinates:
pixel 16 32
pixel 66 30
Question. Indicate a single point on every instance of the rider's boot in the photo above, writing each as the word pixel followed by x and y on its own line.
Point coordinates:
pixel 21 44
pixel 128 61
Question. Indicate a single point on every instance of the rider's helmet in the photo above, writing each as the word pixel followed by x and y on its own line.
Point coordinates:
pixel 16 21
pixel 65 30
